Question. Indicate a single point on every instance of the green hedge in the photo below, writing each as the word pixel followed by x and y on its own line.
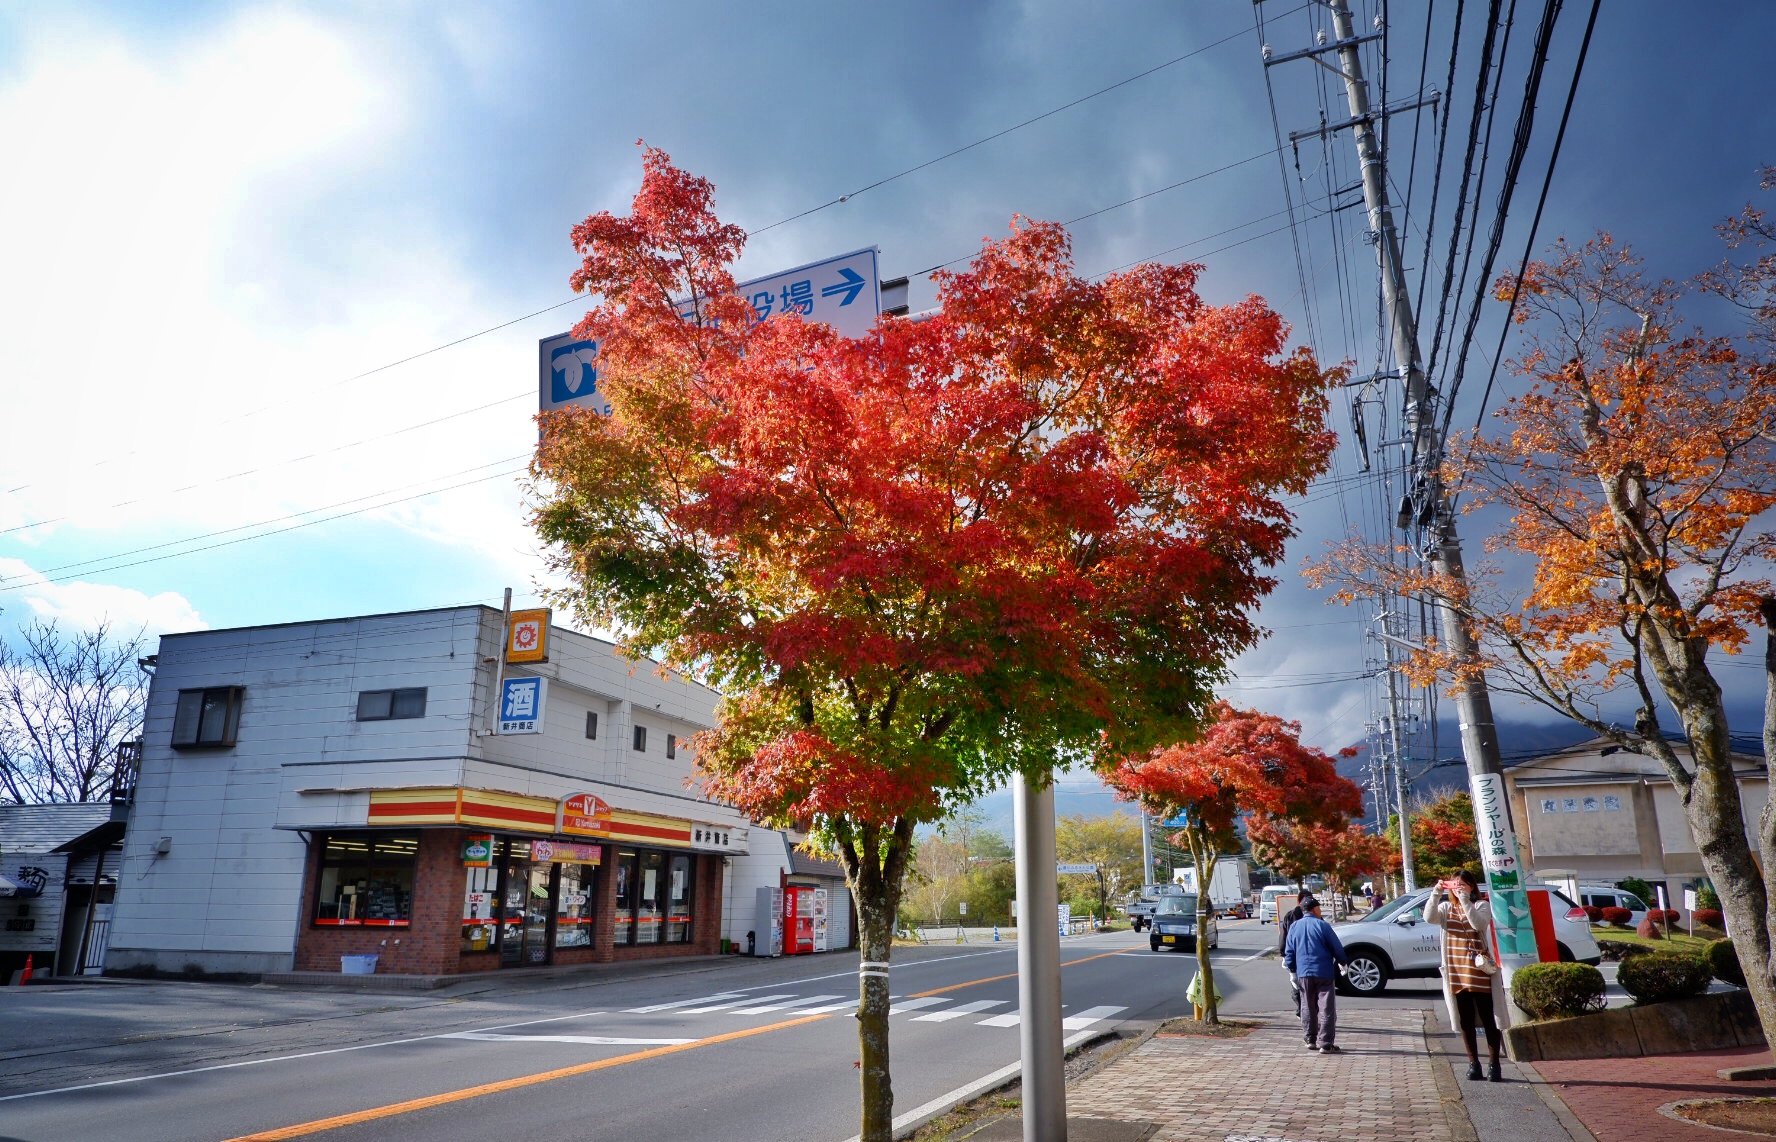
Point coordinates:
pixel 1658 976
pixel 1723 962
pixel 1557 991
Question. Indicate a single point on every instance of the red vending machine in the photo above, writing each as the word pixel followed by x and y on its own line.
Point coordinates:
pixel 798 920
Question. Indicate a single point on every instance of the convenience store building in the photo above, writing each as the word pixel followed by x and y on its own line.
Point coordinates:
pixel 356 787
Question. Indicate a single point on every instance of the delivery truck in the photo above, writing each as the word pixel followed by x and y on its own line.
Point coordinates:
pixel 1230 885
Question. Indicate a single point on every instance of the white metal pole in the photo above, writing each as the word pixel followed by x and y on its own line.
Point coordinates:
pixel 1039 964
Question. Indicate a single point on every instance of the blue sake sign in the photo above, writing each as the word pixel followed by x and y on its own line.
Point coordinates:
pixel 843 291
pixel 521 705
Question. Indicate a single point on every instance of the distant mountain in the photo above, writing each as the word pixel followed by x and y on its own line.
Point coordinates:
pixel 1078 795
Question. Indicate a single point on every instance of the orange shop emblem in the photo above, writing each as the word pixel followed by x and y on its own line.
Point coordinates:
pixel 585 813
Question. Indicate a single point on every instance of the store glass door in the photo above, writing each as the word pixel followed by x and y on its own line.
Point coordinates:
pixel 525 913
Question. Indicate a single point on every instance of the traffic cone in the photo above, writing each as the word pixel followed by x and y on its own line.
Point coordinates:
pixel 995 933
pixel 25 976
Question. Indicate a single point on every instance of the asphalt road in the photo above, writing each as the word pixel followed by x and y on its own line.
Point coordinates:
pixel 737 1049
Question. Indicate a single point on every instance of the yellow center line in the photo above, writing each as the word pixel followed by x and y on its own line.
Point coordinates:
pixel 1008 975
pixel 303 1129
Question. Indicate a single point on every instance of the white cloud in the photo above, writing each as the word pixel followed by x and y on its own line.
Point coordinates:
pixel 85 605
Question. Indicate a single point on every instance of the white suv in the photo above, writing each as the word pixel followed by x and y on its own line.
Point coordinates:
pixel 1396 942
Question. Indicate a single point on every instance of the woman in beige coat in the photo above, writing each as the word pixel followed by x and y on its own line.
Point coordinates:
pixel 1470 973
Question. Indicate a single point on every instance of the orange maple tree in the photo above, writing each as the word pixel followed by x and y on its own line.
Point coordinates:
pixel 918 561
pixel 1636 475
pixel 1241 764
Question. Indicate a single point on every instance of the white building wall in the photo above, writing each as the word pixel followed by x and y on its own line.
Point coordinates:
pixel 226 894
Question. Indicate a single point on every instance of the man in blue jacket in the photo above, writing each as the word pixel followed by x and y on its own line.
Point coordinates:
pixel 1313 953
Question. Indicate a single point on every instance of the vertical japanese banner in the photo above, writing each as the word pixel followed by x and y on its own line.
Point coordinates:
pixel 1512 923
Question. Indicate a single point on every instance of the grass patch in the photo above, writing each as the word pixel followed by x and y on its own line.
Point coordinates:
pixel 1226 1029
pixel 1676 942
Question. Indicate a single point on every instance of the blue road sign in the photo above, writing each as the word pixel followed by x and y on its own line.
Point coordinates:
pixel 843 291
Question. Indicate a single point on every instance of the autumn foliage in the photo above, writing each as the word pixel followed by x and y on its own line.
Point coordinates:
pixel 919 560
pixel 1635 473
pixel 1241 764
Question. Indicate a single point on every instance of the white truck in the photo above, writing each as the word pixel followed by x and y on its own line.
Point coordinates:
pixel 1230 886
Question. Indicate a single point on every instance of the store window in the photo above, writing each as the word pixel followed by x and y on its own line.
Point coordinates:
pixel 678 900
pixel 207 719
pixel 366 880
pixel 650 903
pixel 653 897
pixel 573 906
pixel 623 919
pixel 387 705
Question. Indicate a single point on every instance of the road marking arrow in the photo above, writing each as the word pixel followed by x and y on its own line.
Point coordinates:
pixel 850 287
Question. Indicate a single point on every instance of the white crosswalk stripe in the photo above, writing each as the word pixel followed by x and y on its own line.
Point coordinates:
pixel 736 1003
pixel 1089 1016
pixel 960 1010
pixel 1011 1020
pixel 812 999
pixel 915 1004
pixel 687 1002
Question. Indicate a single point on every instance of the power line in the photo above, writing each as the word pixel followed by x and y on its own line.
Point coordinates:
pixel 1536 222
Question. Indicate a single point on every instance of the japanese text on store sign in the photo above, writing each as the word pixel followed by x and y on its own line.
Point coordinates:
pixel 521 705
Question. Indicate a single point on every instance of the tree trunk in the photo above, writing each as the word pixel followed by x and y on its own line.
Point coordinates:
pixel 875 863
pixel 877 924
pixel 1717 821
pixel 1205 876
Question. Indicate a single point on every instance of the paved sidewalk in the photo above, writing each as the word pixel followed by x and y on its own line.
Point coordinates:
pixel 1266 1085
pixel 1618 1100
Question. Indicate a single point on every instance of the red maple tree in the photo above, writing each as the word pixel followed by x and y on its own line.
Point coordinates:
pixel 923 559
pixel 1241 763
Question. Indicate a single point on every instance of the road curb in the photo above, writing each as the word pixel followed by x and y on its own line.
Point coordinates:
pixel 916 1119
pixel 1449 1094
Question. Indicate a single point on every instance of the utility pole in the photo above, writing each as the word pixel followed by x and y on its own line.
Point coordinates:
pixel 1407 876
pixel 1430 503
pixel 1146 851
pixel 1039 963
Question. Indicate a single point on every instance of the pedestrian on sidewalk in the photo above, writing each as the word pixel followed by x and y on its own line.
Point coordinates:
pixel 1284 922
pixel 1313 953
pixel 1471 983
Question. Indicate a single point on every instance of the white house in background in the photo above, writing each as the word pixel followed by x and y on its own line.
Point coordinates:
pixel 1607 814
pixel 315 791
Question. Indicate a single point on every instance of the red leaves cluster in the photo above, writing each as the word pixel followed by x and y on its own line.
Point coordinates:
pixel 937 552
pixel 1243 763
pixel 1340 854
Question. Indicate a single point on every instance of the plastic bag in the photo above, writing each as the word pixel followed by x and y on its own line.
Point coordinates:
pixel 1194 993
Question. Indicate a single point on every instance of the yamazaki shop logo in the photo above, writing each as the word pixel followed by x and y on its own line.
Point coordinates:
pixel 585 813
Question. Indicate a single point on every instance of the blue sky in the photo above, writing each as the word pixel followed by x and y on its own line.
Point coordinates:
pixel 221 216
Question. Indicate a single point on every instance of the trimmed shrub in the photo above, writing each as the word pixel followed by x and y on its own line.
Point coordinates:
pixel 1665 916
pixel 1709 917
pixel 1557 991
pixel 1593 913
pixel 1659 976
pixel 1723 962
pixel 1617 917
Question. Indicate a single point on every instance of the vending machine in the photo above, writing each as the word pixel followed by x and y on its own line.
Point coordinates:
pixel 798 920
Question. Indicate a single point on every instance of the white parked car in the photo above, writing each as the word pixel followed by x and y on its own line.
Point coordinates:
pixel 1267 901
pixel 1396 942
pixel 1603 896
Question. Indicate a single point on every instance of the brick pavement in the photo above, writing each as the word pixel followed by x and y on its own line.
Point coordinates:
pixel 1267 1086
pixel 1618 1099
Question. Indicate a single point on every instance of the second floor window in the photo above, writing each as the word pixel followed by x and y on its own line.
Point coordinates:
pixel 207 719
pixel 641 739
pixel 386 705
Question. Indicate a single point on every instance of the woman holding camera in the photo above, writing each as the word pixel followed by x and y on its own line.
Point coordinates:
pixel 1470 974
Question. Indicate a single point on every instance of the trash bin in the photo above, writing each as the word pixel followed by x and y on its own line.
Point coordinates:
pixel 357 965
